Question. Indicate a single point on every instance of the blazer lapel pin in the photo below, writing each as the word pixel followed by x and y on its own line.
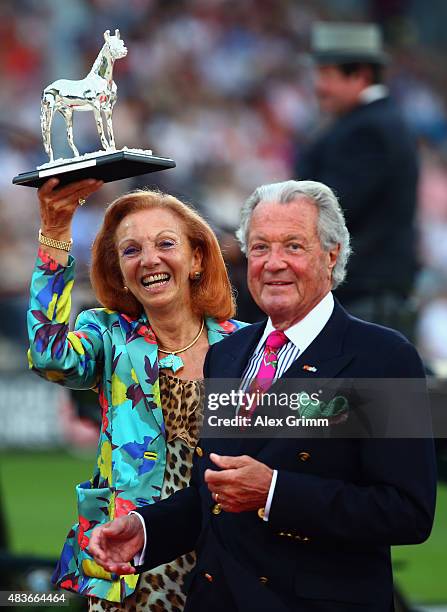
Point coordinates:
pixel 309 368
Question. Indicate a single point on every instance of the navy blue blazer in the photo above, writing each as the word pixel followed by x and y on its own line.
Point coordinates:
pixel 339 504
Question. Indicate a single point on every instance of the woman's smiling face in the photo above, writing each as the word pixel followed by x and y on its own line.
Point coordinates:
pixel 156 258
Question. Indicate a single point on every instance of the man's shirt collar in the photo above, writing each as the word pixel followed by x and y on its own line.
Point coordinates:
pixel 373 93
pixel 303 333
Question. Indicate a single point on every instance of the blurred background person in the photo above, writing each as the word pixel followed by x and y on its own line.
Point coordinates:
pixel 368 156
pixel 158 271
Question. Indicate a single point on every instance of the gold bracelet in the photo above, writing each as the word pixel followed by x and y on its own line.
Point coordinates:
pixel 55 244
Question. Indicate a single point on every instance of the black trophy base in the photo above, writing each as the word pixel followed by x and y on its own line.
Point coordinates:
pixel 107 168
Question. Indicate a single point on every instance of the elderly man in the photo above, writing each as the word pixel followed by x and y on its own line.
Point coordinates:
pixel 304 523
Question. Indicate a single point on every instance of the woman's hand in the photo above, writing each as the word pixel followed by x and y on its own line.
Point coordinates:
pixel 115 544
pixel 57 208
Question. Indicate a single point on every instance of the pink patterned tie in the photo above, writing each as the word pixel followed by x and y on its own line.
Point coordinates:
pixel 264 377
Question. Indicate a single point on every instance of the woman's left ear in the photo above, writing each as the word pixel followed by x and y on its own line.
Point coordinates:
pixel 197 257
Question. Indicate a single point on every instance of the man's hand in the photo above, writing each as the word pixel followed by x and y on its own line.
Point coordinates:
pixel 242 484
pixel 116 543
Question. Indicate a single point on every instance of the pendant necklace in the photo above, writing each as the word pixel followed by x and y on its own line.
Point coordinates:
pixel 172 361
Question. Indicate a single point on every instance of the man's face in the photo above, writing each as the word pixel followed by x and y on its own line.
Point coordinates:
pixel 337 92
pixel 288 270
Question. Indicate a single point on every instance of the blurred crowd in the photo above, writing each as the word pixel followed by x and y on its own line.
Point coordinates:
pixel 225 88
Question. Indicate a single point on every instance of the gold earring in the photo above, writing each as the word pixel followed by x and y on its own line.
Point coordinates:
pixel 196 276
pixel 126 289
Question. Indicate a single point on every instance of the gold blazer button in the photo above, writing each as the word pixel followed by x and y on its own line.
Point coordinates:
pixel 304 456
pixel 199 451
pixel 216 509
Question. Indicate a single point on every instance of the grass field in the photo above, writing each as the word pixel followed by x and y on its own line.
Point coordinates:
pixel 421 571
pixel 37 491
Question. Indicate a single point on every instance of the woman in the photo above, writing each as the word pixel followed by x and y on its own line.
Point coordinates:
pixel 158 271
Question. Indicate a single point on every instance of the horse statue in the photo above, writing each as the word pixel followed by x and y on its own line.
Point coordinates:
pixel 97 92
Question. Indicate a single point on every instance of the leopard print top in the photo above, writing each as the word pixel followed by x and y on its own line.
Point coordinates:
pixel 160 589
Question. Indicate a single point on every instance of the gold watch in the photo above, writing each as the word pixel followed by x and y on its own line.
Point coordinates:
pixel 55 244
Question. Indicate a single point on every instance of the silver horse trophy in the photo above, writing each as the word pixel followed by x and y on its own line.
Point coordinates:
pixel 97 92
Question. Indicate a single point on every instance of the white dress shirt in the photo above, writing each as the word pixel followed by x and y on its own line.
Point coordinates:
pixel 300 336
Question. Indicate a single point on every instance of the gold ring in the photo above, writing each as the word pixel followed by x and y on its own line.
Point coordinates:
pixel 81 201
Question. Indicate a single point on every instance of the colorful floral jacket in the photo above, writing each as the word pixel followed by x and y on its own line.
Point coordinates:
pixel 117 355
